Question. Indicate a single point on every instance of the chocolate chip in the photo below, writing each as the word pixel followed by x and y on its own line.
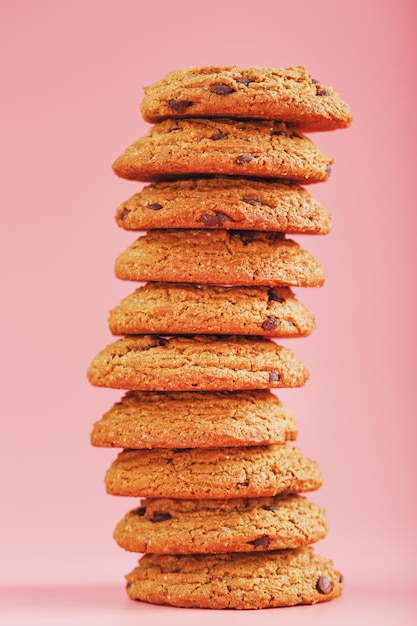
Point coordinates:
pixel 315 82
pixel 215 220
pixel 244 484
pixel 124 214
pixel 324 585
pixel 141 511
pixel 162 341
pixel 154 206
pixel 268 507
pixel 274 377
pixel 220 135
pixel 341 579
pixel 159 516
pixel 322 91
pixel 244 158
pixel 328 170
pixel 261 542
pixel 252 201
pixel 179 105
pixel 271 323
pixel 221 89
pixel 273 295
pixel 243 81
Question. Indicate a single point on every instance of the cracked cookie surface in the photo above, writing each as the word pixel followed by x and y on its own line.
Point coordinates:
pixel 204 419
pixel 236 580
pixel 201 473
pixel 193 147
pixel 189 308
pixel 233 203
pixel 219 257
pixel 199 362
pixel 167 526
pixel 289 94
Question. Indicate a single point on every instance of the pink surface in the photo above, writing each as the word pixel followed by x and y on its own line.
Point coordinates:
pixel 72 78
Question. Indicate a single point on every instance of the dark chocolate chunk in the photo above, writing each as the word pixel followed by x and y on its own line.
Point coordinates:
pixel 154 206
pixel 244 158
pixel 252 201
pixel 215 220
pixel 124 214
pixel 322 91
pixel 159 516
pixel 274 377
pixel 328 170
pixel 261 542
pixel 269 507
pixel 324 585
pixel 179 105
pixel 272 295
pixel 221 89
pixel 243 81
pixel 315 82
pixel 271 323
pixel 141 511
pixel 244 484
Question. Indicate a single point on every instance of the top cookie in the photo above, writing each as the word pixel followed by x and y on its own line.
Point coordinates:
pixel 288 94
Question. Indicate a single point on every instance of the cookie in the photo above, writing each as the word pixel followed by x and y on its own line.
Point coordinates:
pixel 202 473
pixel 219 256
pixel 190 147
pixel 185 308
pixel 290 94
pixel 166 526
pixel 193 363
pixel 219 202
pixel 236 580
pixel 205 419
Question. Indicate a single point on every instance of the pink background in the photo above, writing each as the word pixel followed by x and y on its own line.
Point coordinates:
pixel 72 75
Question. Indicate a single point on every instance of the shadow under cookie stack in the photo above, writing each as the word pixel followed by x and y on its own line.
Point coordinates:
pixel 206 443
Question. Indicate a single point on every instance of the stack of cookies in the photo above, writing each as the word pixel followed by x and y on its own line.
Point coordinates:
pixel 207 445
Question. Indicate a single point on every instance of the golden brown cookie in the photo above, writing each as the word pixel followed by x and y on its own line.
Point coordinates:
pixel 289 94
pixel 167 526
pixel 187 308
pixel 236 580
pixel 219 256
pixel 200 362
pixel 234 203
pixel 191 147
pixel 201 473
pixel 198 419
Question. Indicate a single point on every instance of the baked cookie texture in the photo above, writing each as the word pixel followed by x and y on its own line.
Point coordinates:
pixel 235 580
pixel 219 257
pixel 290 94
pixel 233 203
pixel 189 308
pixel 190 147
pixel 199 362
pixel 212 473
pixel 197 419
pixel 205 443
pixel 167 526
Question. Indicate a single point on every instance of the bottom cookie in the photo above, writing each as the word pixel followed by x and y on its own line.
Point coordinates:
pixel 236 580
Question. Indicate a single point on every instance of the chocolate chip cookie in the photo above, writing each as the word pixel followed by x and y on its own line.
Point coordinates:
pixel 234 203
pixel 290 94
pixel 192 363
pixel 178 148
pixel 189 308
pixel 219 257
pixel 200 473
pixel 198 419
pixel 167 526
pixel 236 580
